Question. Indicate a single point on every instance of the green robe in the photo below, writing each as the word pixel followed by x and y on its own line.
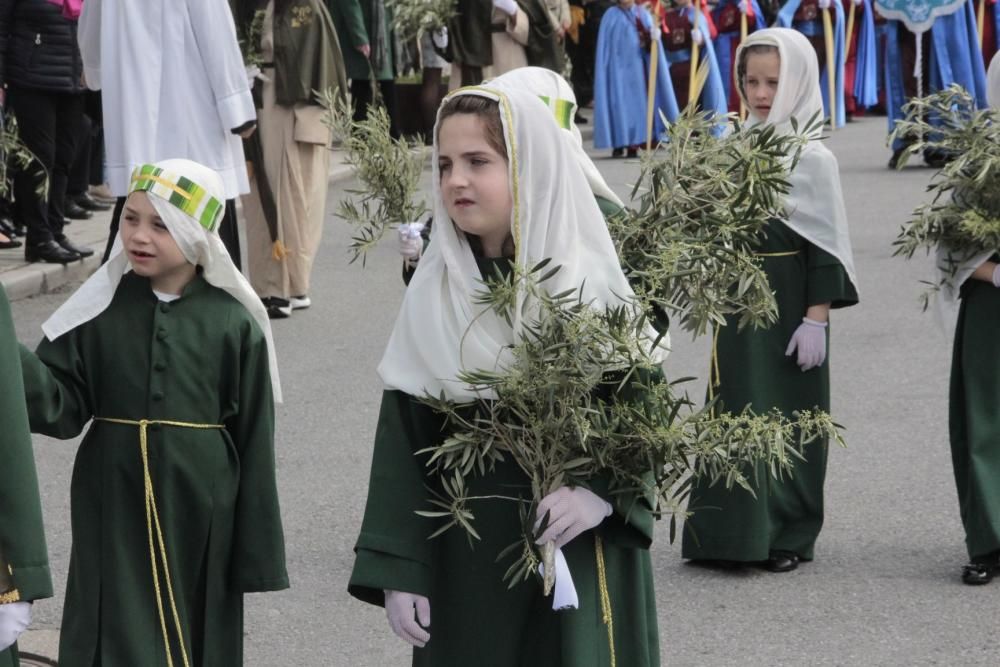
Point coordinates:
pixel 974 416
pixel 307 54
pixel 753 370
pixel 470 36
pixel 356 27
pixel 476 619
pixel 22 539
pixel 200 359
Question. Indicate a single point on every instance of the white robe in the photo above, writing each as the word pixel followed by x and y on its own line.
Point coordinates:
pixel 173 85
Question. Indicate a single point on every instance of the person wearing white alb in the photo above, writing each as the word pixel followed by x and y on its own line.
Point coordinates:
pixel 173 86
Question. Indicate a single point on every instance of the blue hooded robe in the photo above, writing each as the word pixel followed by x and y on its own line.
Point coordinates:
pixel 620 79
pixel 725 47
pixel 866 76
pixel 954 58
pixel 815 29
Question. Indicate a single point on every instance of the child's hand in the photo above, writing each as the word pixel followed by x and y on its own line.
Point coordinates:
pixel 823 4
pixel 744 6
pixel 571 511
pixel 411 243
pixel 810 341
pixel 399 608
pixel 697 37
pixel 14 619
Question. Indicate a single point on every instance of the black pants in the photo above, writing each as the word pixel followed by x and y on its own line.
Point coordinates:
pixel 88 164
pixel 229 231
pixel 48 124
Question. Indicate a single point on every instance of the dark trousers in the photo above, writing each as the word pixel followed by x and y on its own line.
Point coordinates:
pixel 229 231
pixel 362 95
pixel 88 164
pixel 48 124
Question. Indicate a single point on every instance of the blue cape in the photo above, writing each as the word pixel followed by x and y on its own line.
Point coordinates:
pixel 620 79
pixel 815 28
pixel 724 44
pixel 954 58
pixel 866 77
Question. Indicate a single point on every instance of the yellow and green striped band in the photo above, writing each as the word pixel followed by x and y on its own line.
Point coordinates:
pixel 180 191
pixel 562 109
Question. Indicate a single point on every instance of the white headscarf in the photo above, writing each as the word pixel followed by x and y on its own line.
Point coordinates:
pixel 198 245
pixel 815 202
pixel 559 97
pixel 954 268
pixel 440 331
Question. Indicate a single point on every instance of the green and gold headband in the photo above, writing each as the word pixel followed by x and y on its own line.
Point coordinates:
pixel 563 110
pixel 180 191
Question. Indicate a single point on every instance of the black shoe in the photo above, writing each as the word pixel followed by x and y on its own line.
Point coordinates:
pixel 9 243
pixel 894 160
pixel 936 158
pixel 71 247
pixel 632 152
pixel 277 308
pixel 781 561
pixel 579 120
pixel 7 227
pixel 977 574
pixel 74 211
pixel 49 251
pixel 85 201
pixel 618 152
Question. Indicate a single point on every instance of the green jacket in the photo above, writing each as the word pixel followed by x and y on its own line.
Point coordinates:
pixel 355 26
pixel 307 54
pixel 22 540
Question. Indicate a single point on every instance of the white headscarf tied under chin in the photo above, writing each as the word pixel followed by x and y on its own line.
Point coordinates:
pixel 190 199
pixel 556 94
pixel 440 331
pixel 815 202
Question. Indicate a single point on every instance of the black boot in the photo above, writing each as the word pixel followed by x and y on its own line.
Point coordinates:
pixel 72 247
pixel 49 251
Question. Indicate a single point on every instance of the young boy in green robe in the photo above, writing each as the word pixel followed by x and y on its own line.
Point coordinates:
pixel 173 498
pixel 24 568
pixel 974 397
pixel 809 265
pixel 508 192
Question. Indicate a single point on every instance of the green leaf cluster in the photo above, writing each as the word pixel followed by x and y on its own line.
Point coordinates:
pixel 699 209
pixel 964 213
pixel 389 170
pixel 579 401
pixel 412 17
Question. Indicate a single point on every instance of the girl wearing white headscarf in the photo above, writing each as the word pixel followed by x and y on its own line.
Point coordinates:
pixel 973 417
pixel 441 331
pixel 808 262
pixel 173 498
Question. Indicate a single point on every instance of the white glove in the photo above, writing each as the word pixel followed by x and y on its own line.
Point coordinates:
pixel 996 275
pixel 744 7
pixel 411 243
pixel 440 38
pixel 14 619
pixel 654 33
pixel 824 4
pixel 508 7
pixel 697 37
pixel 571 511
pixel 252 73
pixel 810 341
pixel 399 608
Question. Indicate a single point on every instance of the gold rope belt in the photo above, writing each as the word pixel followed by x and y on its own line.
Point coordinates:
pixel 602 582
pixel 153 522
pixel 714 377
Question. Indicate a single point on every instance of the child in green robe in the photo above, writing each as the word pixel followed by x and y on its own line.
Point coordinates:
pixel 173 498
pixel 24 569
pixel 809 264
pixel 974 398
pixel 507 191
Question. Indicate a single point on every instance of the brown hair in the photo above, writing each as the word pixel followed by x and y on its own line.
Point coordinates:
pixel 741 66
pixel 488 112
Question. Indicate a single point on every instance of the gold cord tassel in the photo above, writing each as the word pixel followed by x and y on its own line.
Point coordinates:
pixel 279 251
pixel 602 582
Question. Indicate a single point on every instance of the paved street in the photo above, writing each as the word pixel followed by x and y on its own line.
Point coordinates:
pixel 884 588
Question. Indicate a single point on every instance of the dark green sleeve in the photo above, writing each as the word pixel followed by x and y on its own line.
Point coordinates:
pixel 349 21
pixel 827 281
pixel 258 556
pixel 631 523
pixel 22 538
pixel 55 387
pixel 393 550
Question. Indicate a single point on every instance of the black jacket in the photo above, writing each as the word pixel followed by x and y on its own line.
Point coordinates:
pixel 38 47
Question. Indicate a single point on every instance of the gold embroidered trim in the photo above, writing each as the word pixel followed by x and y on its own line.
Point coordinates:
pixel 10 596
pixel 602 582
pixel 153 522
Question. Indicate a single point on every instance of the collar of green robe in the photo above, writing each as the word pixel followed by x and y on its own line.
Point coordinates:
pixel 180 191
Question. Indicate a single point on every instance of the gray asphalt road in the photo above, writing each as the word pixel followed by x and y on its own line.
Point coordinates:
pixel 884 588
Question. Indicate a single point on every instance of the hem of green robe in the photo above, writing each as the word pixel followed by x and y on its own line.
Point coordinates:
pixel 34 582
pixel 263 585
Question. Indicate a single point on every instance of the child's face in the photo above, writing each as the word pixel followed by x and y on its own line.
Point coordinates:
pixel 761 81
pixel 151 249
pixel 474 180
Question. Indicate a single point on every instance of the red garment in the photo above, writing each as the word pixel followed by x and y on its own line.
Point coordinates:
pixel 851 61
pixel 990 45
